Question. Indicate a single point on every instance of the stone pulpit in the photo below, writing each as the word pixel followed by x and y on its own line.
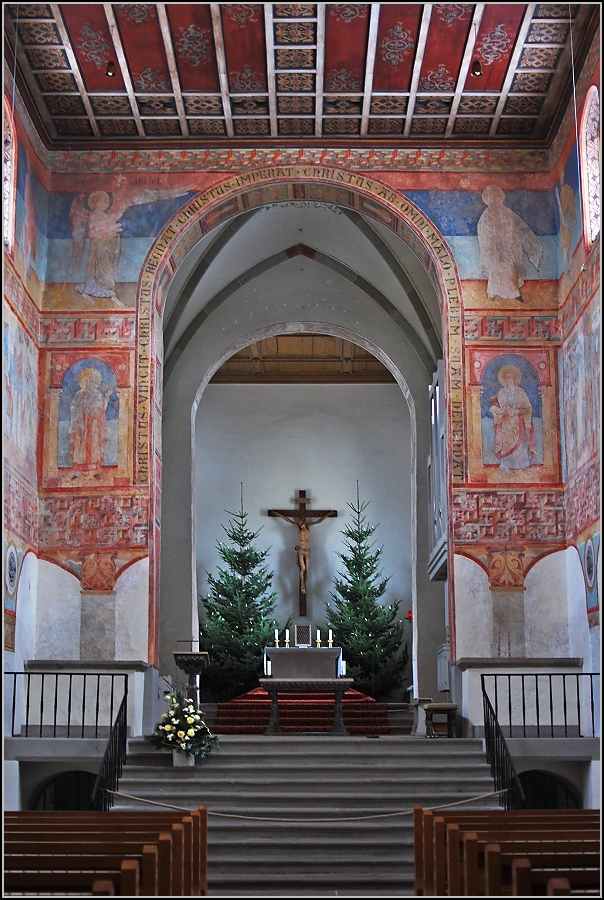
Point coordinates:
pixel 304 669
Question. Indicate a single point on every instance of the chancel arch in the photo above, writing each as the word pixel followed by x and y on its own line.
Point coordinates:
pixel 298 295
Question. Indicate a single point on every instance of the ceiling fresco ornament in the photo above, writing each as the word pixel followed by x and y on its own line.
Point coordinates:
pixel 397 44
pixel 247 80
pixel 38 33
pixel 56 81
pixel 548 33
pixel 341 80
pixel 150 80
pixel 295 81
pixel 347 12
pixel 138 12
pixel 47 58
pixel 438 80
pixel 111 106
pixel 93 46
pixel 203 106
pixel 494 45
pixel 294 10
pixel 295 59
pixel 295 33
pixel 193 45
pixel 242 13
pixel 451 12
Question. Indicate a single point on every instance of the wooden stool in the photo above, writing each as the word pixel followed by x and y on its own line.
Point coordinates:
pixel 447 709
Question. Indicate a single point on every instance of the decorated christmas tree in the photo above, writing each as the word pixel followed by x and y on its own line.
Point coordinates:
pixel 370 633
pixel 239 614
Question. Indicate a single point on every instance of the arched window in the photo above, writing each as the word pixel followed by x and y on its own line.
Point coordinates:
pixel 590 162
pixel 8 176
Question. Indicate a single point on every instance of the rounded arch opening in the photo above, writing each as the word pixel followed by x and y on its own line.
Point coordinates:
pixel 186 386
pixel 544 790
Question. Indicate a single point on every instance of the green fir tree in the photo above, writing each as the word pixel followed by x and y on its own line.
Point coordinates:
pixel 239 614
pixel 370 634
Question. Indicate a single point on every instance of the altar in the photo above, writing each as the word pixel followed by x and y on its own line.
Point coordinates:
pixel 306 669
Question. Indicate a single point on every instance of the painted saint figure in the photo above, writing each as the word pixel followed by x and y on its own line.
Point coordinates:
pixel 512 411
pixel 303 546
pixel 88 429
pixel 98 220
pixel 502 238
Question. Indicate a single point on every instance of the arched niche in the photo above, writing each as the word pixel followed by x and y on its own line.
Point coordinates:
pixel 172 466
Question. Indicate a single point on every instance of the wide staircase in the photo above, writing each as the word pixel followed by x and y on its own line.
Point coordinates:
pixel 311 814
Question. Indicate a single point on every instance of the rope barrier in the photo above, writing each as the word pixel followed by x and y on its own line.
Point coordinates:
pixel 406 812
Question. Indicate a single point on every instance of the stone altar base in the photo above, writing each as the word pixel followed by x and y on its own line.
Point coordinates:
pixel 300 712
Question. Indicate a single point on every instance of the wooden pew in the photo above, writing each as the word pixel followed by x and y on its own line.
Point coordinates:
pixel 430 835
pixel 576 874
pixel 89 875
pixel 487 862
pixel 194 852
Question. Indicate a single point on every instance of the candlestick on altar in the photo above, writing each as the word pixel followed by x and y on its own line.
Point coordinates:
pixel 276 637
pixel 330 638
pixel 318 638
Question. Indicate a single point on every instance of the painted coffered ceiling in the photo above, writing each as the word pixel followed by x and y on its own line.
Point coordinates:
pixel 206 74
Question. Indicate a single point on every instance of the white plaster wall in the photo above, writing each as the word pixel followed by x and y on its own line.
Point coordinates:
pixel 473 609
pixel 277 439
pixel 546 607
pixel 58 613
pixel 578 625
pixel 25 626
pixel 132 612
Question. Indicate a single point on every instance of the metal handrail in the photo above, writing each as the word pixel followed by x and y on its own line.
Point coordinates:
pixel 545 704
pixel 110 770
pixel 63 704
pixel 503 769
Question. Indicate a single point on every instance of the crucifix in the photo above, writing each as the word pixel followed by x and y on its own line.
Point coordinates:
pixel 302 514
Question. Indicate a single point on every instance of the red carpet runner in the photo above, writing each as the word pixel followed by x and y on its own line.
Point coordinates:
pixel 250 713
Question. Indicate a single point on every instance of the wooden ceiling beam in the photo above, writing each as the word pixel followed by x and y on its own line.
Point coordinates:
pixel 374 20
pixel 166 33
pixel 320 69
pixel 270 67
pixel 465 66
pixel 121 58
pixel 512 66
pixel 417 66
pixel 223 78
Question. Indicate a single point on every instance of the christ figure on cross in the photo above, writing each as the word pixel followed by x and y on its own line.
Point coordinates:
pixel 303 545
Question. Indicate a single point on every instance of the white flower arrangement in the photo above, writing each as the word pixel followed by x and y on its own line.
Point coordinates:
pixel 182 728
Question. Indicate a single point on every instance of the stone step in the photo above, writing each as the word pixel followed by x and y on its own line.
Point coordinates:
pixel 309 814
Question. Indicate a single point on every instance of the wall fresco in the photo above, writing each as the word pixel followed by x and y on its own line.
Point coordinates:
pixel 580 391
pixel 20 396
pixel 88 427
pixel 512 422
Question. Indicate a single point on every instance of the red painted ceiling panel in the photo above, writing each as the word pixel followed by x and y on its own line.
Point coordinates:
pixel 396 46
pixel 449 29
pixel 346 32
pixel 192 36
pixel 244 46
pixel 92 45
pixel 494 45
pixel 144 46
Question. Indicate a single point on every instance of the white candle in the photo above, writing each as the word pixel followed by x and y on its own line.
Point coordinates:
pixel 318 635
pixel 276 634
pixel 330 635
pixel 343 667
pixel 287 634
pixel 269 667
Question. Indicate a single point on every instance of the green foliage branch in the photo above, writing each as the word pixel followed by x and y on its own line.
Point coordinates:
pixel 370 633
pixel 239 613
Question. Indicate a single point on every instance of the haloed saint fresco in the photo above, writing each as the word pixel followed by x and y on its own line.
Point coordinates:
pixel 511 414
pixel 88 418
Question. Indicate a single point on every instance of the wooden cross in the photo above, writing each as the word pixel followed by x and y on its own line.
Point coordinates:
pixel 299 517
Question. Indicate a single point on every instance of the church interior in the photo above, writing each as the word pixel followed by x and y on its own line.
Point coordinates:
pixel 294 257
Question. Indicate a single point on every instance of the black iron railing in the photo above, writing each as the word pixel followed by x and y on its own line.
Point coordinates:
pixel 111 768
pixel 63 704
pixel 545 704
pixel 498 756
